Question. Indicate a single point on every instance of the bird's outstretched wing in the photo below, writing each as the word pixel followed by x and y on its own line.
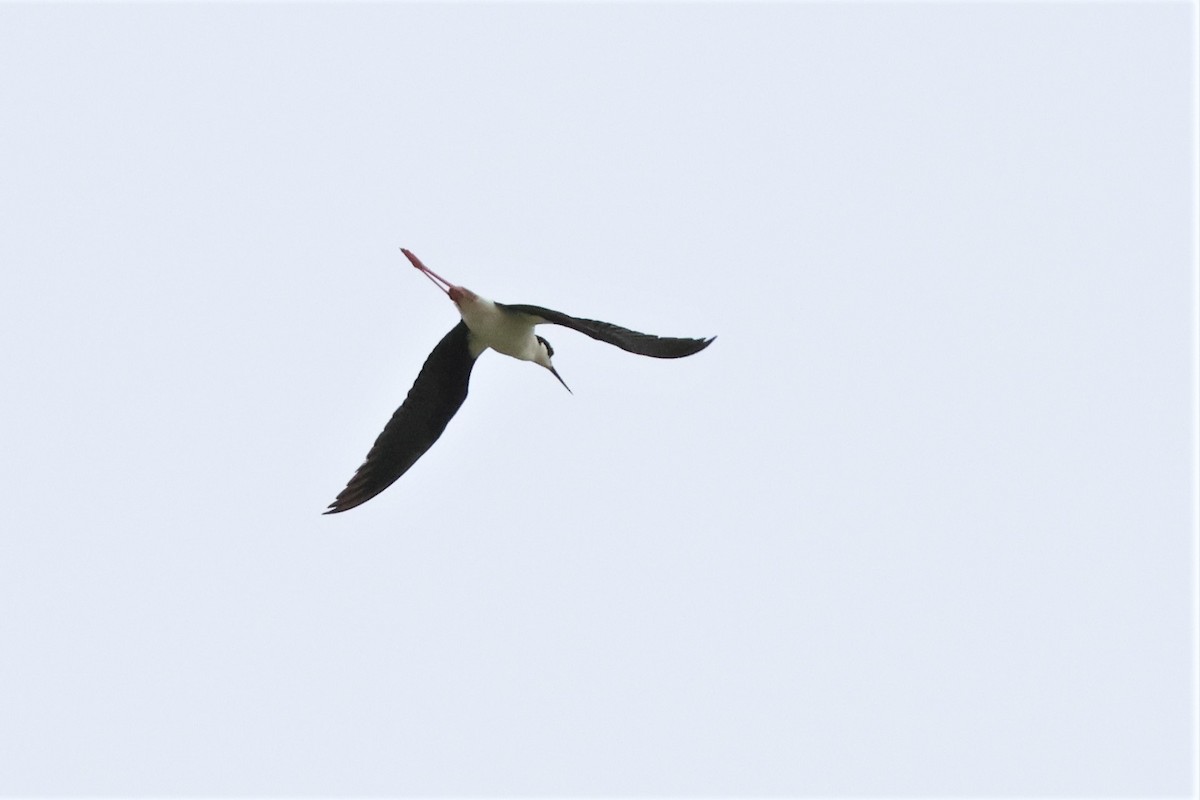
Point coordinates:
pixel 435 397
pixel 644 344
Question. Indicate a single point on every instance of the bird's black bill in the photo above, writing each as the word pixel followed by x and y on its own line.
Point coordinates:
pixel 560 380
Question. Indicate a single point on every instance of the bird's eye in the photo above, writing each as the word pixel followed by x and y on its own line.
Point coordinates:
pixel 549 349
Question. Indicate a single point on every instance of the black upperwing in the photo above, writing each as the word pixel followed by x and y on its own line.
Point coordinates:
pixel 435 397
pixel 643 344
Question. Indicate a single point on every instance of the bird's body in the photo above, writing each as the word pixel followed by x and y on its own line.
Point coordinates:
pixel 441 385
pixel 503 331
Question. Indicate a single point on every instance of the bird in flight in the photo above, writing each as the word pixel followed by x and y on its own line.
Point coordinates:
pixel 441 385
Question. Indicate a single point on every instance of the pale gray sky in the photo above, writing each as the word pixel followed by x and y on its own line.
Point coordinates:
pixel 920 522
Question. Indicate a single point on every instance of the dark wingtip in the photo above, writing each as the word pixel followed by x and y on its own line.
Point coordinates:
pixel 346 503
pixel 699 345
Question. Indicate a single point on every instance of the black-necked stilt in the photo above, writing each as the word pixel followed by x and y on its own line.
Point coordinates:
pixel 441 386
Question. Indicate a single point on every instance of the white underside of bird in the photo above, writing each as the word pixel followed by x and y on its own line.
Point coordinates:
pixel 504 332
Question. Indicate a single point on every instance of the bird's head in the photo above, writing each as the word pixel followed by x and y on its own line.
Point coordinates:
pixel 542 358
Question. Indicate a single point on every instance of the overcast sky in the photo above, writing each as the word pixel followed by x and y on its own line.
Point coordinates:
pixel 919 522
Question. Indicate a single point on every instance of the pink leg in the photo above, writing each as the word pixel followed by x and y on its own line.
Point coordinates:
pixel 438 280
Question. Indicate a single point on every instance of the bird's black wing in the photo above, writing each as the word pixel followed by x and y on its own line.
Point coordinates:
pixel 644 344
pixel 435 397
